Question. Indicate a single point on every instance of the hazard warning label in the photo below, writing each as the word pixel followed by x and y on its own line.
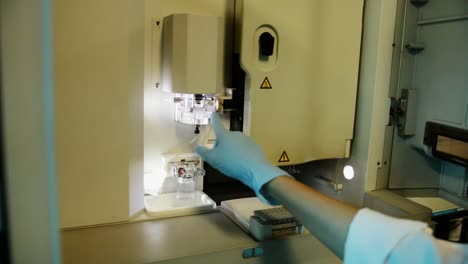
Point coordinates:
pixel 284 157
pixel 266 84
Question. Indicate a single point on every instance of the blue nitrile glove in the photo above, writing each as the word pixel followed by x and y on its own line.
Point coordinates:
pixel 239 157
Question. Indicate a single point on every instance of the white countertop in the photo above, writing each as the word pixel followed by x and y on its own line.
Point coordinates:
pixel 207 238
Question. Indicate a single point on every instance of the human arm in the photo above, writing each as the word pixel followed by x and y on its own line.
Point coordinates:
pixel 238 156
pixel 328 219
pixel 357 236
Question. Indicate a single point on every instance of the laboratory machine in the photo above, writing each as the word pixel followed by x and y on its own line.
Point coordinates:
pixel 383 127
pixel 364 101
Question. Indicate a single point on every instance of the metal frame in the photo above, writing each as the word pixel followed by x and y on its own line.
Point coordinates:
pixel 377 159
pixel 4 234
pixel 404 39
pixel 400 37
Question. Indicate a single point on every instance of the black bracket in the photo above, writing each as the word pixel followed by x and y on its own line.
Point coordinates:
pixel 419 3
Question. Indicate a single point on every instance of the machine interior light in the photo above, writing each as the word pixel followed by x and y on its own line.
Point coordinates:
pixel 348 172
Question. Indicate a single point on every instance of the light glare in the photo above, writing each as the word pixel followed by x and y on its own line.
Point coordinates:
pixel 348 172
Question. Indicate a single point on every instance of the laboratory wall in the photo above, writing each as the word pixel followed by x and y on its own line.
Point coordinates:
pixel 162 134
pixel 98 90
pixel 438 76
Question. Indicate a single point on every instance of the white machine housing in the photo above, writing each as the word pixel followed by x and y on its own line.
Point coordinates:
pixel 192 54
pixel 300 102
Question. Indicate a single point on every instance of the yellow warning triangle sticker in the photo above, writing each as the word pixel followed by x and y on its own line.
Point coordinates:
pixel 266 84
pixel 284 157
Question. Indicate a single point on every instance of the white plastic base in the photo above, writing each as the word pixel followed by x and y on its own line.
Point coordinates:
pixel 167 205
pixel 240 210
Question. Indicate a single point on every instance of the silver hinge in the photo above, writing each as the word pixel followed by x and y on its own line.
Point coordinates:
pixel 403 113
pixel 336 186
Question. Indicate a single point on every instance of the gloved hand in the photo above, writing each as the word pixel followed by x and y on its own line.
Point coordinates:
pixel 239 157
